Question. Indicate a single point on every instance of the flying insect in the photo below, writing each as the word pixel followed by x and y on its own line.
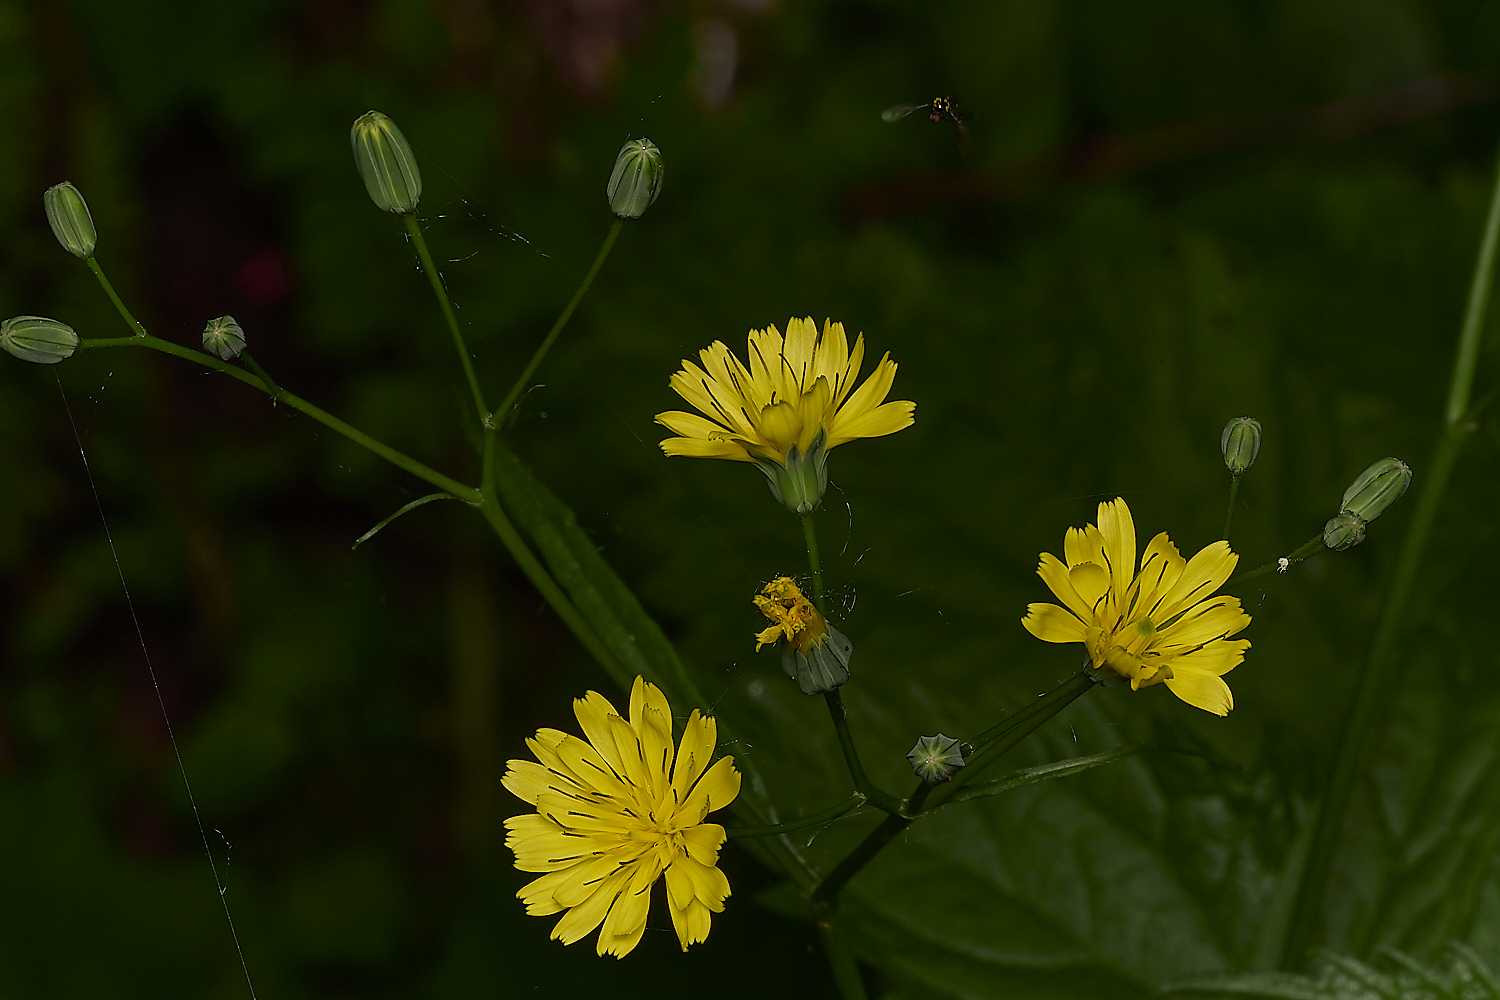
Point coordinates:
pixel 938 109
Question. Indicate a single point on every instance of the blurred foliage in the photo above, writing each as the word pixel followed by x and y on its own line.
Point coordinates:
pixel 1167 215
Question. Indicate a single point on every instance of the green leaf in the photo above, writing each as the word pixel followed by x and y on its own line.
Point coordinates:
pixel 1340 977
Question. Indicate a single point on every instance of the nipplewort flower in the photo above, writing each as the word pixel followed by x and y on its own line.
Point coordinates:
pixel 794 403
pixel 614 813
pixel 1156 626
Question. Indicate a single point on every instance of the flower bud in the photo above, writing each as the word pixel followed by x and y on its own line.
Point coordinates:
pixel 386 163
pixel 1377 488
pixel 936 758
pixel 1240 443
pixel 1343 531
pixel 68 215
pixel 38 339
pixel 224 337
pixel 636 180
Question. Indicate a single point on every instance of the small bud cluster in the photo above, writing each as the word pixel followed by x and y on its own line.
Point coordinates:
pixel 1369 496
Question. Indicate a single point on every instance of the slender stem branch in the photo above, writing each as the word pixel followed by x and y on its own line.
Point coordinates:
pixel 130 321
pixel 878 797
pixel 828 890
pixel 399 459
pixel 1234 492
pixel 989 748
pixel 1310 547
pixel 1373 684
pixel 791 826
pixel 414 230
pixel 502 412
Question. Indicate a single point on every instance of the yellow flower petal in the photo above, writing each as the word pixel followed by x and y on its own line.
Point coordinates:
pixel 1205 691
pixel 1051 623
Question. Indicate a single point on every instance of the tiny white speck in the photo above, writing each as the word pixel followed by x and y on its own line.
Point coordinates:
pixel 1282 564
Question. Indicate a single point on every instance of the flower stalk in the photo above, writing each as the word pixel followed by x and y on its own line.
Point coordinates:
pixel 503 412
pixel 1373 684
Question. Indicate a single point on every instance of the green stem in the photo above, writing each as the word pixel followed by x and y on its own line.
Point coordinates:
pixel 833 812
pixel 1310 547
pixel 840 958
pixel 130 321
pixel 502 412
pixel 533 568
pixel 879 798
pixel 1234 492
pixel 810 536
pixel 828 890
pixel 415 232
pixel 468 494
pixel 1373 684
pixel 994 742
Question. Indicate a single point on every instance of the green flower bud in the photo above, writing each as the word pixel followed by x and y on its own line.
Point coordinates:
pixel 38 339
pixel 1377 488
pixel 936 758
pixel 1240 443
pixel 799 484
pixel 1343 531
pixel 636 180
pixel 224 337
pixel 386 163
pixel 68 215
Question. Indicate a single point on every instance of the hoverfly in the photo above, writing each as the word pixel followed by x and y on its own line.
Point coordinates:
pixel 939 109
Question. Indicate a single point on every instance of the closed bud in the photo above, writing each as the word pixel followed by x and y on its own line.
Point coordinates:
pixel 224 337
pixel 1377 488
pixel 68 215
pixel 1240 443
pixel 1343 531
pixel 386 163
pixel 38 339
pixel 936 758
pixel 636 179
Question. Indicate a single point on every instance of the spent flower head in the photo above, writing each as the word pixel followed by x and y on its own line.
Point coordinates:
pixel 936 759
pixel 224 337
pixel 614 813
pixel 794 402
pixel 814 653
pixel 1156 626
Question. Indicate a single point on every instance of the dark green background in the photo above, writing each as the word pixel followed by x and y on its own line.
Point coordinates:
pixel 1170 214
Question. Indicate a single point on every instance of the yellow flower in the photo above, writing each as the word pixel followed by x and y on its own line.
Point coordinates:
pixel 793 403
pixel 614 812
pixel 1158 626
